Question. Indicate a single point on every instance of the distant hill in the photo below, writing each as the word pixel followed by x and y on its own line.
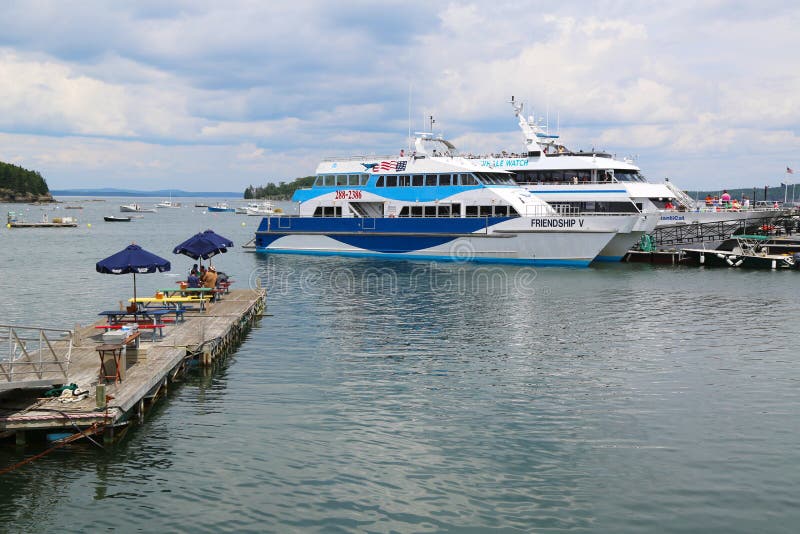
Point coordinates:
pixel 753 193
pixel 21 185
pixel 113 192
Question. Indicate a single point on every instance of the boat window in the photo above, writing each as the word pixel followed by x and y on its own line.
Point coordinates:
pixel 468 179
pixel 512 212
pixel 364 179
pixel 318 212
pixel 430 180
pixel 485 211
pixel 403 211
pixel 445 179
pixel 341 179
pixel 417 180
pixel 444 210
pixel 501 211
pixel 416 211
pixel 354 180
pixel 404 180
pixel 330 180
pixel 455 210
pixel 379 182
pixel 391 181
pixel 319 181
pixel 472 211
pixel 430 211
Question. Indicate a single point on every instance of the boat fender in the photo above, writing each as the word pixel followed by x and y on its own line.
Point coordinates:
pixel 774 264
pixel 702 259
pixel 738 263
pixel 721 256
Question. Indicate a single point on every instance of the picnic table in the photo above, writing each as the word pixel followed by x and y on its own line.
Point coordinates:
pixel 170 302
pixel 116 318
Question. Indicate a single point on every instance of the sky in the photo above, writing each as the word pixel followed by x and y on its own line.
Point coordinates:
pixel 214 96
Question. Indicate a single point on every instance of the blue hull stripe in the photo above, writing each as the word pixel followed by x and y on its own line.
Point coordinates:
pixel 515 261
pixel 608 259
pixel 400 225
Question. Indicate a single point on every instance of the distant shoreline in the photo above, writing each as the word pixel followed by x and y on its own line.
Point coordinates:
pixel 130 193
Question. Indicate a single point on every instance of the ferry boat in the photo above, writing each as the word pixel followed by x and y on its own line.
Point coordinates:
pixel 596 181
pixel 432 208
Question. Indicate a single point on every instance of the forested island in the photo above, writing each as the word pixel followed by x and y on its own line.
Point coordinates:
pixel 21 185
pixel 281 191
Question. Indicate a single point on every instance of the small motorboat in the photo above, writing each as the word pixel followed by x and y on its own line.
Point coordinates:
pixel 135 208
pixel 111 218
pixel 221 207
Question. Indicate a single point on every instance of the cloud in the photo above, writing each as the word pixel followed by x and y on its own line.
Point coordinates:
pixel 194 90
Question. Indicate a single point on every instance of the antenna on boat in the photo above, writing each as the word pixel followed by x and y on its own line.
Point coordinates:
pixel 408 139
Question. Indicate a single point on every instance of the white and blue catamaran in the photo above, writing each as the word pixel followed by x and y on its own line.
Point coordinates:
pixel 434 208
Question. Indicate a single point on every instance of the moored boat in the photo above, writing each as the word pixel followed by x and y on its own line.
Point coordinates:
pixel 423 207
pixel 747 252
pixel 135 208
pixel 221 207
pixel 112 218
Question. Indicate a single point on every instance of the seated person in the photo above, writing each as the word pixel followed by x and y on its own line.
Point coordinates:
pixel 210 278
pixel 669 206
pixel 193 280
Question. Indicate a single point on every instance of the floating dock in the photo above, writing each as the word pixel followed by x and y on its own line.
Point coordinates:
pixel 146 372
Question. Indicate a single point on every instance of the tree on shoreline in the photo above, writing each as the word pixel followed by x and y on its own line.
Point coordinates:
pixel 281 191
pixel 18 181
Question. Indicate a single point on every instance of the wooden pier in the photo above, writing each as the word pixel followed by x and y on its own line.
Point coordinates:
pixel 202 337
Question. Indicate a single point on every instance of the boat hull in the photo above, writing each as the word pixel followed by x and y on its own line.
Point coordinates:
pixel 495 240
pixel 220 210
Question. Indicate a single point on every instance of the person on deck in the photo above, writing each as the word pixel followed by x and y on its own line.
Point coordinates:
pixel 193 280
pixel 709 200
pixel 726 199
pixel 669 205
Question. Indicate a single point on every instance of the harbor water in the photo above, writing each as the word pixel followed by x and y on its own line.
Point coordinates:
pixel 408 396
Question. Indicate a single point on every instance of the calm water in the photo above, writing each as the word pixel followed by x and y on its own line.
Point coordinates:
pixel 414 397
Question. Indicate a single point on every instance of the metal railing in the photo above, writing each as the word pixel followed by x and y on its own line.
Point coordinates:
pixel 31 356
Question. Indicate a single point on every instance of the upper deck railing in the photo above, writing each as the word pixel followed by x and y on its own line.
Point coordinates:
pixel 32 356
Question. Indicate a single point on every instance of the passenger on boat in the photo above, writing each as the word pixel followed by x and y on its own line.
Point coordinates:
pixel 746 203
pixel 669 205
pixel 726 199
pixel 735 205
pixel 709 200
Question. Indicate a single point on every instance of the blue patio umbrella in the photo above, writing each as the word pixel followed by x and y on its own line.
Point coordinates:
pixel 133 259
pixel 204 245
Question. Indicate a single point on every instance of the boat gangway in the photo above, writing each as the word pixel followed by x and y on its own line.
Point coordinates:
pixel 687 234
pixel 31 356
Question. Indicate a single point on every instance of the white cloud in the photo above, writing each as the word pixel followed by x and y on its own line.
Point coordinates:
pixel 181 90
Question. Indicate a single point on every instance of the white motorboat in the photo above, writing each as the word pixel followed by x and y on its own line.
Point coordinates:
pixel 135 208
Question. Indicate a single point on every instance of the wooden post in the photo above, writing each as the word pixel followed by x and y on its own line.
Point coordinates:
pixel 205 359
pixel 76 336
pixel 100 395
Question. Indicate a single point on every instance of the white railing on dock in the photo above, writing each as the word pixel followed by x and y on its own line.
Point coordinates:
pixel 32 356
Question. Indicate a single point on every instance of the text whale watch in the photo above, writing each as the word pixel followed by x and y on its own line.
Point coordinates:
pixel 421 207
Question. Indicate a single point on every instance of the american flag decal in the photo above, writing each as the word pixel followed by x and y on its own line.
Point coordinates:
pixel 390 166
